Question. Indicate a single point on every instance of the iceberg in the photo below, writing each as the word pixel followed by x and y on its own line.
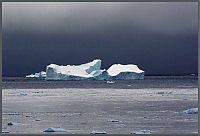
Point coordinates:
pixel 41 74
pixel 125 72
pixel 74 72
pixel 90 71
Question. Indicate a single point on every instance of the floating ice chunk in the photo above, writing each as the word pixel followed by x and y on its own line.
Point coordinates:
pixel 164 92
pixel 5 131
pixel 54 129
pixel 23 94
pixel 191 111
pixel 110 82
pixel 142 132
pixel 129 112
pixel 32 75
pixel 41 74
pixel 98 132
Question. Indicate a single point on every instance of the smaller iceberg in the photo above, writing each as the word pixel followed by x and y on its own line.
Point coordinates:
pixel 125 72
pixel 41 74
pixel 191 111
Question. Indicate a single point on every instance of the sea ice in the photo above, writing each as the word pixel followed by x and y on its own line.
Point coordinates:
pixel 110 82
pixel 191 111
pixel 54 129
pixel 11 113
pixel 142 132
pixel 12 123
pixel 5 131
pixel 98 132
pixel 23 94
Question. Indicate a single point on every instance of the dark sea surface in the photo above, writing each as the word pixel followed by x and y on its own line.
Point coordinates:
pixel 148 82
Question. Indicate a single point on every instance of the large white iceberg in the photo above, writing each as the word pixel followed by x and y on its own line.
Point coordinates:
pixel 91 71
pixel 74 72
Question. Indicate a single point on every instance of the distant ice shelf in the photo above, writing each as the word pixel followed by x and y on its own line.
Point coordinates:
pixel 90 71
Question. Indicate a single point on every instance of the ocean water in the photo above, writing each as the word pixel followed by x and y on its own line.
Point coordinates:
pixel 148 82
pixel 153 105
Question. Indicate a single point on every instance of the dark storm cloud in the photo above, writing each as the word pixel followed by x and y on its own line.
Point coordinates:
pixel 159 37
pixel 76 17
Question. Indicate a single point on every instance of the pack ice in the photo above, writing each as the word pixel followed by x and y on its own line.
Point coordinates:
pixel 93 71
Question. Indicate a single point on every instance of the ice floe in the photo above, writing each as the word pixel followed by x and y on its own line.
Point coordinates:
pixel 191 111
pixel 98 132
pixel 142 132
pixel 55 129
pixel 110 82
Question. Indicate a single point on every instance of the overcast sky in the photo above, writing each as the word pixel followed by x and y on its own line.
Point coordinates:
pixel 159 37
